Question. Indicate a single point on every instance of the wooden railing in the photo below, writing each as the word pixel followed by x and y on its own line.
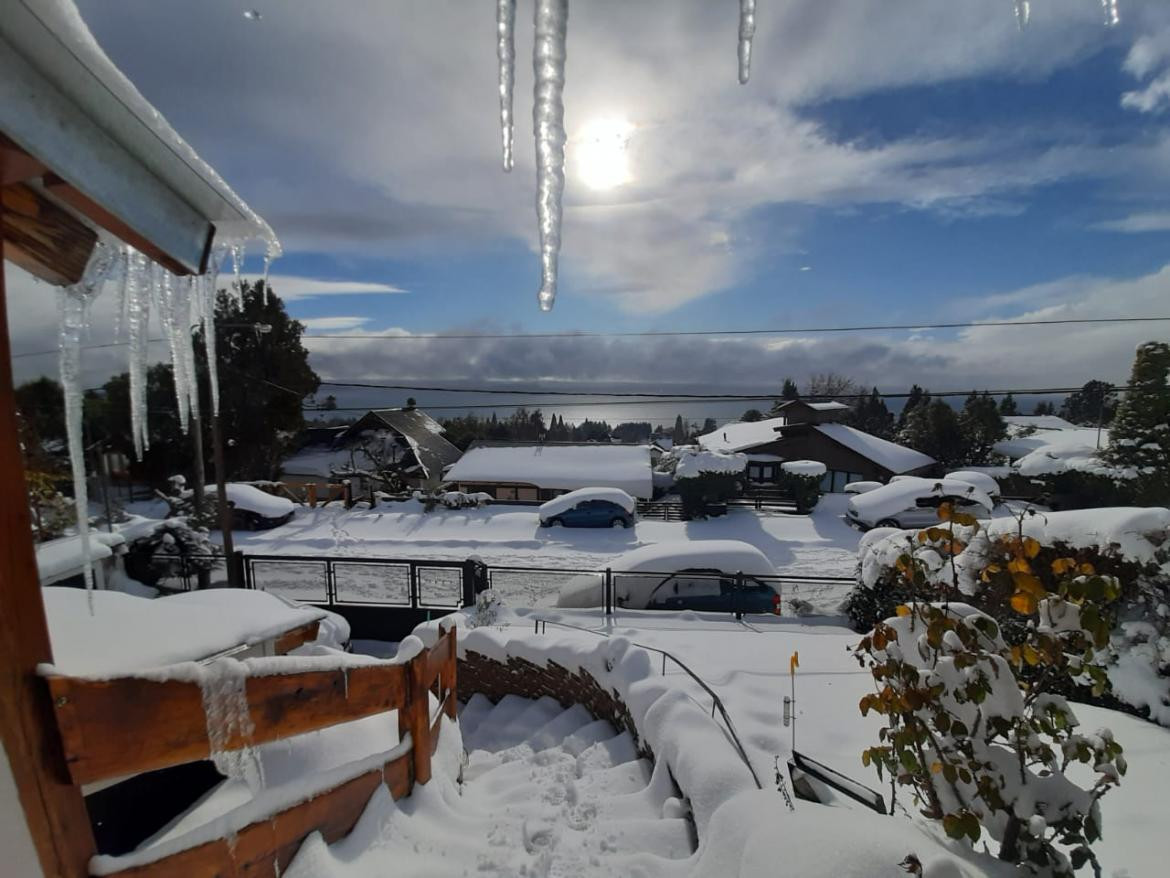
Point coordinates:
pixel 123 726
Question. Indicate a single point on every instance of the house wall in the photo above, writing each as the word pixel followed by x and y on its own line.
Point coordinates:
pixel 811 445
pixel 511 491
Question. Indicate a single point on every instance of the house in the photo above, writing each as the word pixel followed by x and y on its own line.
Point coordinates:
pixel 531 472
pixel 407 440
pixel 815 431
pixel 1028 433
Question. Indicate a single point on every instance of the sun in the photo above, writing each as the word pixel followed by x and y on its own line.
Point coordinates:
pixel 602 157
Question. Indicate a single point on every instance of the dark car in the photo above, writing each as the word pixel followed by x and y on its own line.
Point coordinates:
pixel 712 591
pixel 591 513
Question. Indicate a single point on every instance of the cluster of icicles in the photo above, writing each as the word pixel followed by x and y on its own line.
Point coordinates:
pixel 183 305
pixel 548 113
pixel 1110 8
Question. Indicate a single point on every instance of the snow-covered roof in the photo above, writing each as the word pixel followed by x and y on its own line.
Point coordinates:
pixel 1039 422
pixel 127 634
pixel 422 433
pixel 873 506
pixel 568 501
pixel 64 102
pixel 827 406
pixel 1056 441
pixel 888 455
pixel 61 558
pixel 315 460
pixel 558 467
pixel 742 435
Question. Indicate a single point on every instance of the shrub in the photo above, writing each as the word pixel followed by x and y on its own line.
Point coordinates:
pixel 805 490
pixel 172 550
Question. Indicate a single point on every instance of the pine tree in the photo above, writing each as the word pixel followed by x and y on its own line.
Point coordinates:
pixel 1095 403
pixel 789 391
pixel 1008 407
pixel 1044 408
pixel 871 415
pixel 752 415
pixel 680 430
pixel 982 426
pixel 917 397
pixel 1140 435
pixel 933 428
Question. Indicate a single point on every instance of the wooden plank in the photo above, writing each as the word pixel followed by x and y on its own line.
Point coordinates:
pixel 437 658
pixel 290 640
pixel 102 721
pixel 414 719
pixel 43 238
pixel 53 807
pixel 16 165
pixel 266 846
pixel 97 214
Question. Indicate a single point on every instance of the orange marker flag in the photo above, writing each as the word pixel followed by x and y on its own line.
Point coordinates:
pixel 794 663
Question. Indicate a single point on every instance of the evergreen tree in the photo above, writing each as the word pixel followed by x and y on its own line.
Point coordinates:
pixel 752 415
pixel 933 428
pixel 1095 403
pixel 709 426
pixel 1044 408
pixel 1140 435
pixel 917 397
pixel 982 426
pixel 789 390
pixel 871 415
pixel 680 431
pixel 1008 407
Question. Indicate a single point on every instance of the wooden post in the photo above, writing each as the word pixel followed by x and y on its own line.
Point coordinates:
pixel 414 717
pixel 449 673
pixel 311 494
pixel 347 494
pixel 53 806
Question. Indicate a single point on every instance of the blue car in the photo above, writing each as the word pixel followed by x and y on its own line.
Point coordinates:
pixel 712 591
pixel 589 512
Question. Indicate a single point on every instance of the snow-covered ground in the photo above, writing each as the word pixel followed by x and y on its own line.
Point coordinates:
pixel 820 544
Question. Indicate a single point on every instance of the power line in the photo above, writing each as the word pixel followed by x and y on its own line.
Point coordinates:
pixel 710 332
pixel 886 327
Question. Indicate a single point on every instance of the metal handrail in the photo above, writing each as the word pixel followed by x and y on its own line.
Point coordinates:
pixel 716 701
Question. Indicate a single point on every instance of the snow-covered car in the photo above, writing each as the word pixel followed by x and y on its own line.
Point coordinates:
pixel 862 487
pixel 913 502
pixel 982 481
pixel 681 575
pixel 253 509
pixel 589 507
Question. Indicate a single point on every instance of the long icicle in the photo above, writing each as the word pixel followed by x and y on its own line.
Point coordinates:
pixel 548 117
pixel 506 53
pixel 747 30
pixel 1112 12
pixel 74 303
pixel 137 296
pixel 1023 13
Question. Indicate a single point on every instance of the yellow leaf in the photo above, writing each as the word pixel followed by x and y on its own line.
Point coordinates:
pixel 902 610
pixel 1031 655
pixel 1019 565
pixel 944 511
pixel 922 536
pixel 1023 603
pixel 1063 565
pixel 1086 569
pixel 964 519
pixel 1029 583
pixel 1031 547
pixel 935 767
pixel 993 568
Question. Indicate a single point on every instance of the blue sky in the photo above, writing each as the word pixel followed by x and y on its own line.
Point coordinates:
pixel 888 162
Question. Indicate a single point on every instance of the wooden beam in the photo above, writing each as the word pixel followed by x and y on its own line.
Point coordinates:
pixel 53 807
pixel 16 165
pixel 87 207
pixel 265 848
pixel 290 640
pixel 43 238
pixel 112 728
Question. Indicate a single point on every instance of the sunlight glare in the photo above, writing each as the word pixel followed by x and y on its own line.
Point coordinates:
pixel 602 159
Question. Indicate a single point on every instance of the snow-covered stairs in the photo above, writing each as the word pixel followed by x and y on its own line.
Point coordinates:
pixel 570 791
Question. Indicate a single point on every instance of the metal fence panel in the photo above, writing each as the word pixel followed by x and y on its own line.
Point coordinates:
pixel 538 587
pixel 371 582
pixel 297 579
pixel 439 586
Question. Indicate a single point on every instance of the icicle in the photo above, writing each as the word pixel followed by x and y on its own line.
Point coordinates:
pixel 237 253
pixel 1112 11
pixel 136 292
pixel 271 251
pixel 506 52
pixel 548 116
pixel 206 308
pixel 174 298
pixel 747 30
pixel 1023 13
pixel 74 303
pixel 225 707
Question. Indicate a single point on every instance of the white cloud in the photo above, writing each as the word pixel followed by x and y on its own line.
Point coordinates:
pixel 1155 221
pixel 290 288
pixel 330 324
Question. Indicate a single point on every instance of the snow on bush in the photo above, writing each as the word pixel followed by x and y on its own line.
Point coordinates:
pixel 1129 545
pixel 488 605
pixel 693 462
pixel 813 468
pixel 174 548
pixel 572 499
pixel 973 726
pixel 802 479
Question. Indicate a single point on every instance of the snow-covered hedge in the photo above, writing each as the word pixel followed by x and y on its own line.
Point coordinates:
pixel 802 479
pixel 1131 544
pixel 693 462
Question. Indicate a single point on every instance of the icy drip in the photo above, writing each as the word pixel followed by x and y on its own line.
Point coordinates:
pixel 225 707
pixel 236 251
pixel 74 303
pixel 506 52
pixel 203 290
pixel 270 253
pixel 174 314
pixel 1112 12
pixel 548 117
pixel 1023 13
pixel 136 294
pixel 747 30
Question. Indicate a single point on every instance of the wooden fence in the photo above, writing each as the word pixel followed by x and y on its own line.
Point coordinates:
pixel 126 725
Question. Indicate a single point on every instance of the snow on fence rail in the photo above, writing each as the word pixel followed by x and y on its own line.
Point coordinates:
pixel 163 713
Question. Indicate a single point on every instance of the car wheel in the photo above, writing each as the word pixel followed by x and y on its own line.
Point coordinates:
pixel 619 522
pixel 888 522
pixel 556 522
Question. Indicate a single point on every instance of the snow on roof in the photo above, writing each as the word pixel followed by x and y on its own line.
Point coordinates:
pixel 253 499
pixel 742 435
pixel 128 634
pixel 558 467
pixel 889 455
pixel 873 506
pixel 565 502
pixel 827 406
pixel 317 461
pixel 669 556
pixel 64 557
pixel 422 433
pixel 1039 422
pixel 1057 441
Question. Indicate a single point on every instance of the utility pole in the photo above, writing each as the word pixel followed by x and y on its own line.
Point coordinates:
pixel 200 497
pixel 225 512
